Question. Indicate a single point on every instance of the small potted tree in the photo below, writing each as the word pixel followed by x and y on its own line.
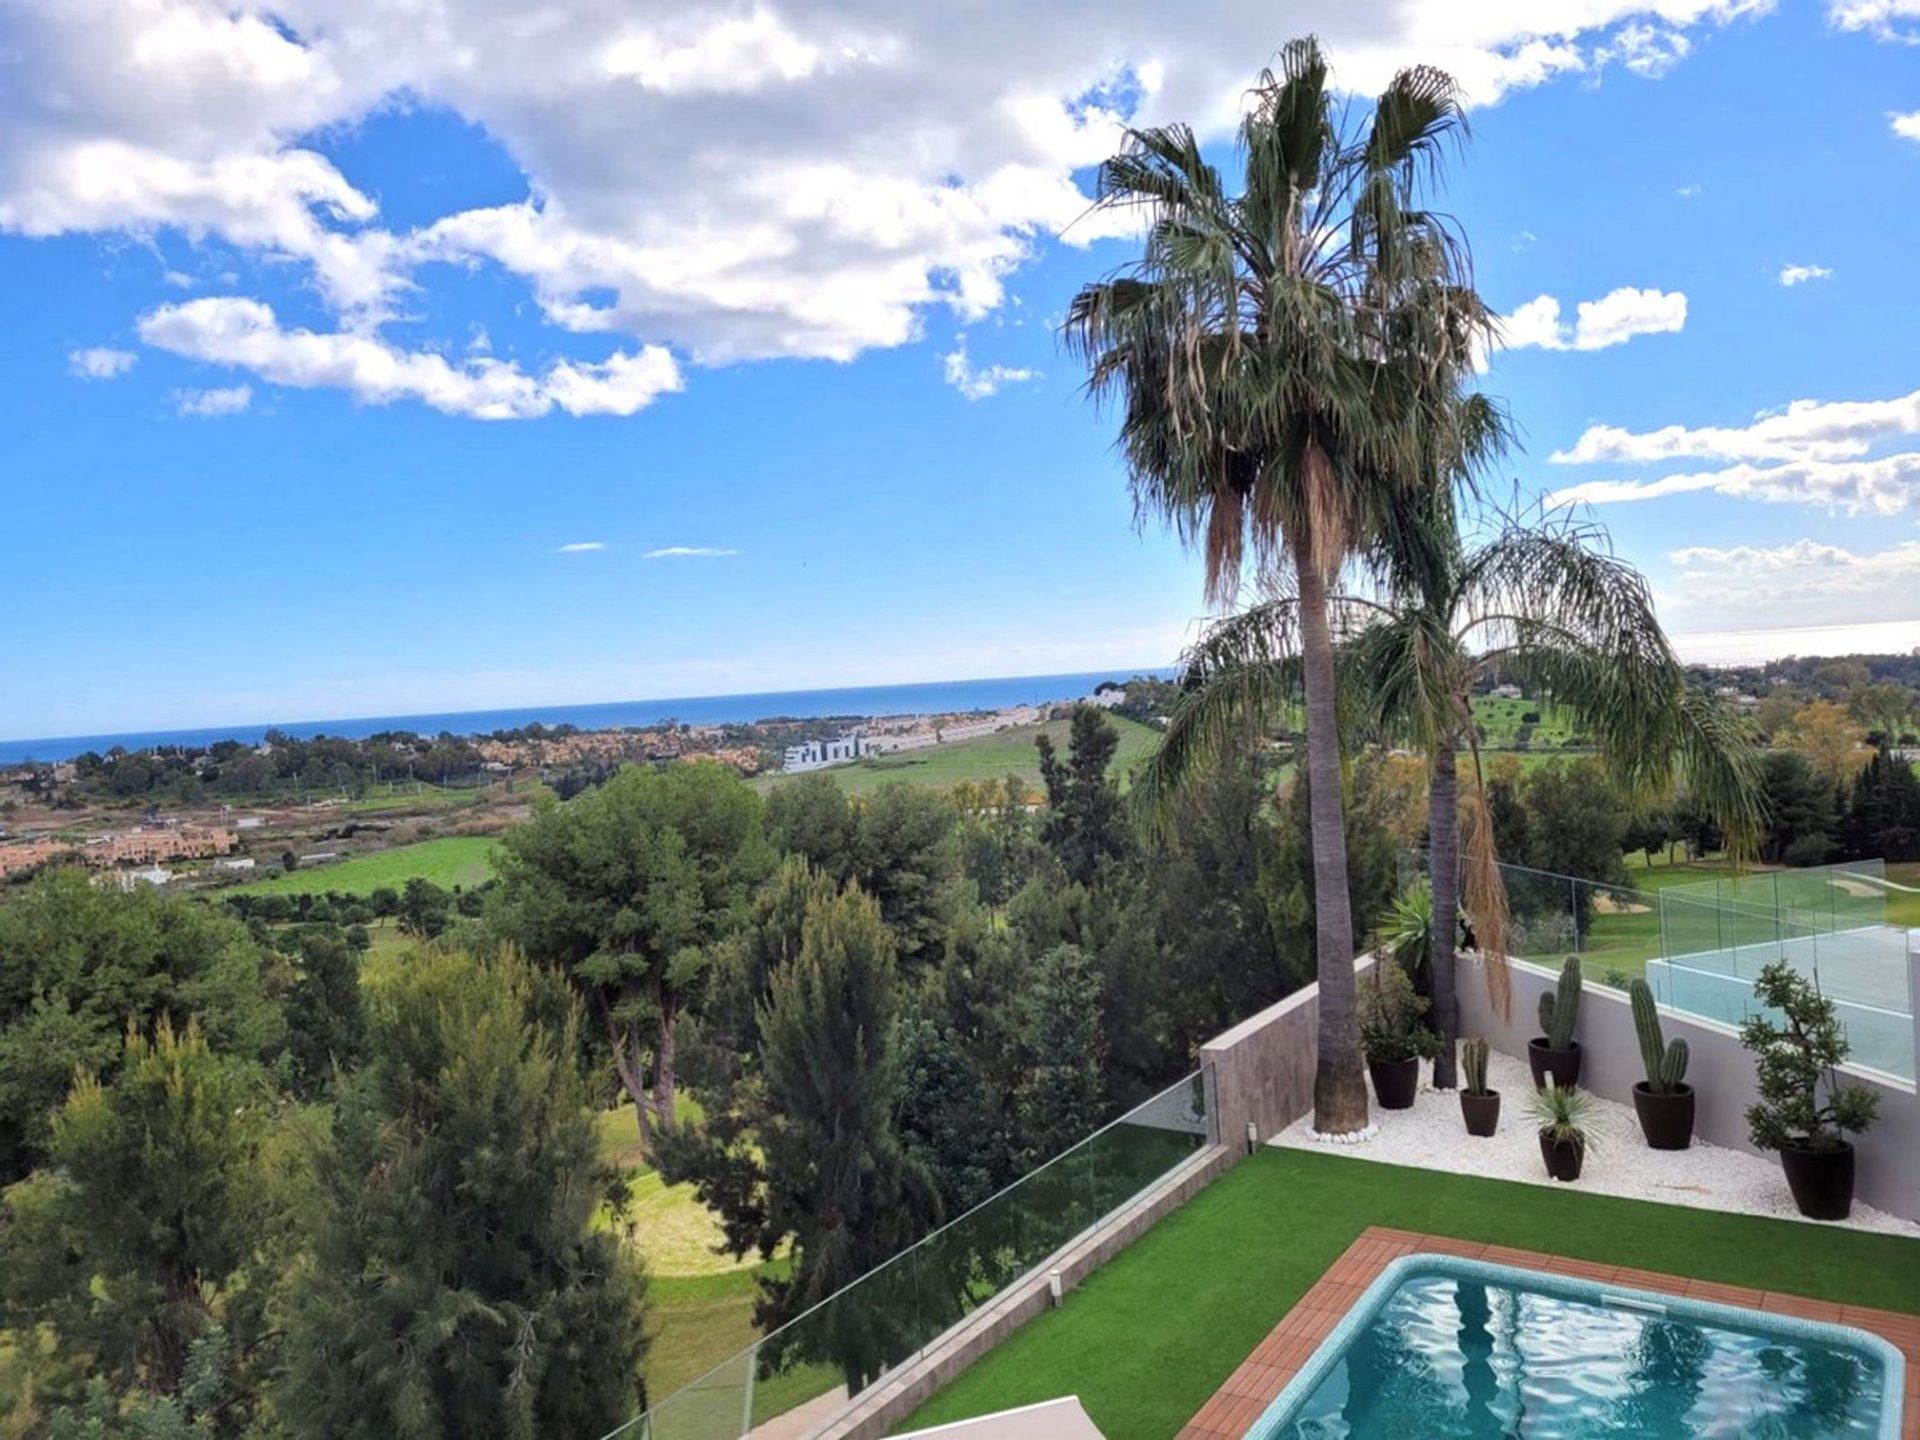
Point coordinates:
pixel 1664 1100
pixel 1554 1052
pixel 1479 1104
pixel 1565 1115
pixel 1795 1060
pixel 1392 1036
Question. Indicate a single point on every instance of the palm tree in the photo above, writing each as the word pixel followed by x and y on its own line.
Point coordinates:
pixel 1281 357
pixel 1547 604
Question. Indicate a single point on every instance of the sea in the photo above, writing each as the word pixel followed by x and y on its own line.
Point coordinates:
pixel 940 697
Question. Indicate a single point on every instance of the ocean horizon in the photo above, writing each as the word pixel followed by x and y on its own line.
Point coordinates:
pixel 944 696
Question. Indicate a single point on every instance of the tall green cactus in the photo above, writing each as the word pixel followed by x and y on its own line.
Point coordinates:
pixel 1473 1060
pixel 1560 1010
pixel 1666 1064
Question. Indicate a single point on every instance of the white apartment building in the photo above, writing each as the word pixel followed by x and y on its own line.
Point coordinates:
pixel 818 753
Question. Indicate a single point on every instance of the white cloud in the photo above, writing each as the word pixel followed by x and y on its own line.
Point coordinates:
pixel 979 382
pixel 1646 50
pixel 1687 192
pixel 99 362
pixel 1805 430
pixel 1800 274
pixel 1885 486
pixel 1805 583
pixel 688 552
pixel 1907 125
pixel 204 404
pixel 1880 18
pixel 580 547
pixel 226 330
pixel 1613 319
pixel 780 178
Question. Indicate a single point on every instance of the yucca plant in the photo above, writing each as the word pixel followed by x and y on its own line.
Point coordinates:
pixel 1566 1116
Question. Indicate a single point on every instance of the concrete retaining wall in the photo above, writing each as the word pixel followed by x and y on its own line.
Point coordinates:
pixel 1722 1075
pixel 1263 1067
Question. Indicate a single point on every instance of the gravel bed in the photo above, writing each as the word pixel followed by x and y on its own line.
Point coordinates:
pixel 1708 1177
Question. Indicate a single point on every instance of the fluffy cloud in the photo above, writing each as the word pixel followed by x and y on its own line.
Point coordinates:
pixel 1613 319
pixel 205 404
pixel 1884 19
pixel 1805 583
pixel 979 382
pixel 688 552
pixel 1885 486
pixel 98 362
pixel 740 180
pixel 1805 430
pixel 1800 274
pixel 1907 125
pixel 580 547
pixel 226 330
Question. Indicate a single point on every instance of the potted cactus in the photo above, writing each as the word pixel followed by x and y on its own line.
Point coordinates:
pixel 1664 1100
pixel 1554 1052
pixel 1795 1060
pixel 1565 1115
pixel 1479 1105
pixel 1392 1036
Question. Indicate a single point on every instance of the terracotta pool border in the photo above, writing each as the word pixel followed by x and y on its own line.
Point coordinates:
pixel 1265 1372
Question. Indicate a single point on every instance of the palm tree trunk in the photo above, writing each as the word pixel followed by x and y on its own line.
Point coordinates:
pixel 1339 1083
pixel 1443 862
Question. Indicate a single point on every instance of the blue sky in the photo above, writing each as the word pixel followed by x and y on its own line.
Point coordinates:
pixel 780 282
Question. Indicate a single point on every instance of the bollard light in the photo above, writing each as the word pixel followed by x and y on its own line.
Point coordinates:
pixel 1054 1288
pixel 1253 1138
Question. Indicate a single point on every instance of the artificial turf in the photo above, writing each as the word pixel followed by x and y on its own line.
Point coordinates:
pixel 1146 1340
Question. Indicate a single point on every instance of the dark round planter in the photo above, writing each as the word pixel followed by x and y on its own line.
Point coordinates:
pixel 1821 1180
pixel 1563 1157
pixel 1395 1082
pixel 1666 1120
pixel 1481 1112
pixel 1562 1065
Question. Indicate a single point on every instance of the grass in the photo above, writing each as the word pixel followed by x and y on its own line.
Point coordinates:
pixel 985 757
pixel 463 860
pixel 1149 1338
pixel 1501 721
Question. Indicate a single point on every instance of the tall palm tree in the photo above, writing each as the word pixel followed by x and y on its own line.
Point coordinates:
pixel 1281 357
pixel 1547 604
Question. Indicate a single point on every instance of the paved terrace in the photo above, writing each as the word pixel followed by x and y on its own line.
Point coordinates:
pixel 1276 1359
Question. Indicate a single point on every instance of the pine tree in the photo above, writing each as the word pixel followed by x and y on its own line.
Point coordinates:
pixel 458 1284
pixel 1062 1098
pixel 1085 825
pixel 813 1155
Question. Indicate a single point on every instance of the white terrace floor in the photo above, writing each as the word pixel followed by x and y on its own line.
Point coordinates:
pixel 1432 1137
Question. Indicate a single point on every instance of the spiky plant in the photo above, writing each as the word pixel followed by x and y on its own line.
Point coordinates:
pixel 1666 1064
pixel 1560 1006
pixel 1474 1055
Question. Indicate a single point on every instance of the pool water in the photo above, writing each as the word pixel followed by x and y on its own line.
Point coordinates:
pixel 1459 1349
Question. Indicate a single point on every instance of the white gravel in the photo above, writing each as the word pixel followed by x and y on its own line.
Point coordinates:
pixel 1432 1136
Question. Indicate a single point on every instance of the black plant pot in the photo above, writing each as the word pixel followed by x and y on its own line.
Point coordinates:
pixel 1563 1157
pixel 1821 1180
pixel 1395 1082
pixel 1481 1112
pixel 1562 1065
pixel 1666 1120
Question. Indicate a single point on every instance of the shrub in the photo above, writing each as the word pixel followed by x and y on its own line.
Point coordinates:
pixel 1794 1061
pixel 1390 1013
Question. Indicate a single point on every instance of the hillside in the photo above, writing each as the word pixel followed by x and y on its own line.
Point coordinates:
pixel 986 757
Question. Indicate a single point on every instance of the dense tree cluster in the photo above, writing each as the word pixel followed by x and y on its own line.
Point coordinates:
pixel 283 765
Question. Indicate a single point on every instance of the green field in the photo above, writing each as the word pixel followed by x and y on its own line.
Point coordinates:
pixel 462 860
pixel 1501 721
pixel 986 757
pixel 1147 1339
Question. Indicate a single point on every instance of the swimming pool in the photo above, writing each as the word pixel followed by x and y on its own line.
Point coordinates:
pixel 1446 1347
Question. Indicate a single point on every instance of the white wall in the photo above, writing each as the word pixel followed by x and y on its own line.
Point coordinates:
pixel 1721 1073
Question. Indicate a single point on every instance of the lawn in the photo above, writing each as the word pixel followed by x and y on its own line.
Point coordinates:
pixel 985 757
pixel 1501 721
pixel 1146 1340
pixel 463 860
